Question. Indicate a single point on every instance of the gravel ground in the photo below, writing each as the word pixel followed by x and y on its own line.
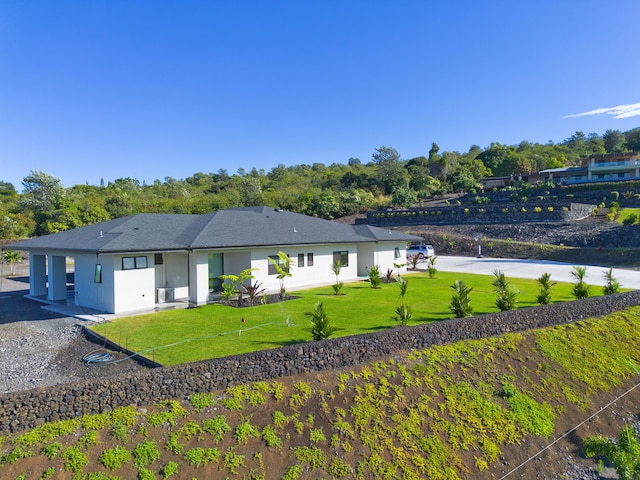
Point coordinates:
pixel 39 348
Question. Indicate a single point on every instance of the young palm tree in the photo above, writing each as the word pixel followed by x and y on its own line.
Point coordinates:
pixel 321 328
pixel 460 301
pixel 336 267
pixel 544 297
pixel 403 313
pixel 580 288
pixel 612 286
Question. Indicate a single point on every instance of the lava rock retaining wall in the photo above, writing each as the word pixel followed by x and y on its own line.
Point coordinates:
pixel 523 212
pixel 26 409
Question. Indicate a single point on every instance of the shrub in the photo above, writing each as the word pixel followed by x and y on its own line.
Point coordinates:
pixel 506 292
pixel 431 267
pixel 321 327
pixel 374 276
pixel 114 458
pixel 623 454
pixel 580 288
pixel 460 302
pixel 145 452
pixel 612 285
pixel 544 297
pixel 169 469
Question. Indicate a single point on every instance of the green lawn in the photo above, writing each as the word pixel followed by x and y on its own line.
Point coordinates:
pixel 179 336
pixel 625 213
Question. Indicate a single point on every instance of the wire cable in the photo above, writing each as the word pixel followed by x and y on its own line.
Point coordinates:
pixel 571 431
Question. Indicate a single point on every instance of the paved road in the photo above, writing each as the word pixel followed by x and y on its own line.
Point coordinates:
pixel 534 269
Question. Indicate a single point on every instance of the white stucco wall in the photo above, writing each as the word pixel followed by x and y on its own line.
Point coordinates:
pixel 304 276
pixel 133 289
pixel 199 277
pixel 89 293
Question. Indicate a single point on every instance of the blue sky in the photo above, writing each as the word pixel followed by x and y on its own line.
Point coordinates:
pixel 163 88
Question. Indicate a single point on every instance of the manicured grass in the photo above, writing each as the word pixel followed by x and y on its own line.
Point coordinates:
pixel 179 336
pixel 624 213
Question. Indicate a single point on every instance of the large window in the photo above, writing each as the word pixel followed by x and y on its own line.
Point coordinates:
pixel 342 257
pixel 129 263
pixel 275 259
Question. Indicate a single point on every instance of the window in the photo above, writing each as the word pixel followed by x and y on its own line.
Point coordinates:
pixel 342 257
pixel 309 259
pixel 97 276
pixel 396 253
pixel 275 259
pixel 301 260
pixel 157 259
pixel 129 263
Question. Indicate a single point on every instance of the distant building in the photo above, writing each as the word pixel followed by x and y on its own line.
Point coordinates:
pixel 610 167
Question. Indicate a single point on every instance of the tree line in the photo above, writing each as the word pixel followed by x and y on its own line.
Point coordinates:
pixel 46 206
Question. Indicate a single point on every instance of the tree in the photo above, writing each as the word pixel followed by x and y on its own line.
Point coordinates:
pixel 612 285
pixel 321 327
pixel 431 266
pixel 544 297
pixel 12 258
pixel 374 276
pixel 614 141
pixel 460 301
pixel 238 281
pixel 506 292
pixel 403 313
pixel 282 265
pixel 580 289
pixel 391 171
pixel 404 197
pixel 336 267
pixel 623 454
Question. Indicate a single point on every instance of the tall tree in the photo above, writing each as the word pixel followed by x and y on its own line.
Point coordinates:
pixel 614 141
pixel 391 171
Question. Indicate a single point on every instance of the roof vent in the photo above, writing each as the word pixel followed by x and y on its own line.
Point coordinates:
pixel 295 230
pixel 100 234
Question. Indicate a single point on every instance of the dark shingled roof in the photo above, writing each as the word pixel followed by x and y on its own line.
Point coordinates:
pixel 237 227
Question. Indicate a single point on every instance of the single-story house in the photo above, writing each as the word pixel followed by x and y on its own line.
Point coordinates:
pixel 134 263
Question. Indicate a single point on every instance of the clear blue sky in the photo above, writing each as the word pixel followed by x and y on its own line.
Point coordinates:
pixel 93 89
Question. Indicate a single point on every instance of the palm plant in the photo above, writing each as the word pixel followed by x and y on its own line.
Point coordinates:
pixel 12 258
pixel 374 276
pixel 623 454
pixel 431 267
pixel 612 285
pixel 580 288
pixel 283 268
pixel 237 283
pixel 460 302
pixel 506 292
pixel 403 313
pixel 336 268
pixel 544 297
pixel 321 328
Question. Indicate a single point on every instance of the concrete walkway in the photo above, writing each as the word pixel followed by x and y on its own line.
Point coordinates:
pixel 534 269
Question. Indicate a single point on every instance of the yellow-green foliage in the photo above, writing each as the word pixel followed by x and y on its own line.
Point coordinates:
pixel 410 416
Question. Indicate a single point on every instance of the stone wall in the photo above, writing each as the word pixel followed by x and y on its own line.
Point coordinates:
pixel 22 410
pixel 491 213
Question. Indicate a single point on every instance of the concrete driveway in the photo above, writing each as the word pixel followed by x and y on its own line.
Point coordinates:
pixel 534 269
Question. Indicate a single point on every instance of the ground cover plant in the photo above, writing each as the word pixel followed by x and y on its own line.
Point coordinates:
pixel 179 336
pixel 445 412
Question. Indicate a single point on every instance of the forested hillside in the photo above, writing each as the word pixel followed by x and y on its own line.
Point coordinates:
pixel 43 205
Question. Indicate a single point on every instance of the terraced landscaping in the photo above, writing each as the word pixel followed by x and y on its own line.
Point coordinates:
pixel 473 409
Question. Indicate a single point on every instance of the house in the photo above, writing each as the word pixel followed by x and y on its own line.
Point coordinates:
pixel 611 167
pixel 134 263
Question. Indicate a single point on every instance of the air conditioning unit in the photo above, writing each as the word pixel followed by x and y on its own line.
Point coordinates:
pixel 164 295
